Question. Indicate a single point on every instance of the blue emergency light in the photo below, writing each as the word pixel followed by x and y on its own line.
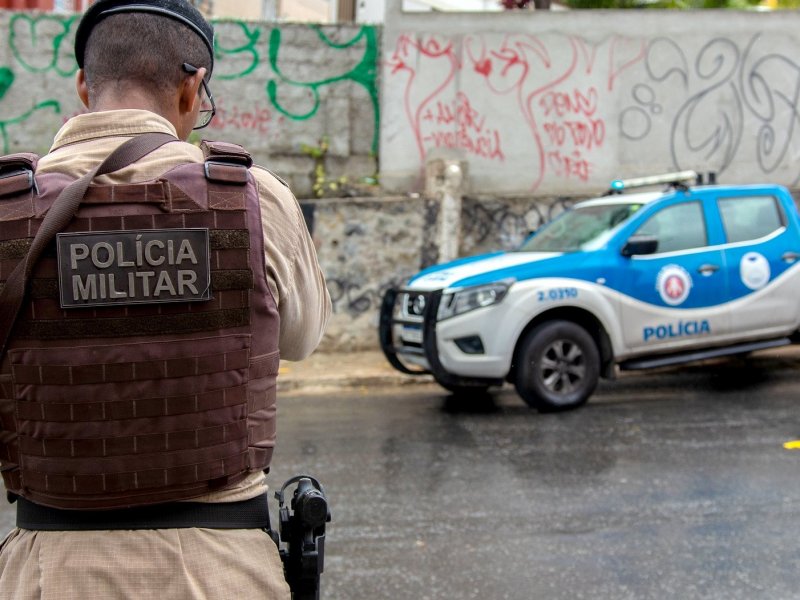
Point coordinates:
pixel 676 179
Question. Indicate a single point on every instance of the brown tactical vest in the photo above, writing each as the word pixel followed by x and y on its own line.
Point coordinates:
pixel 127 380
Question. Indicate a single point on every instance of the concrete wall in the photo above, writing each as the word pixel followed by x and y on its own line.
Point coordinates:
pixel 540 108
pixel 366 246
pixel 562 103
pixel 278 88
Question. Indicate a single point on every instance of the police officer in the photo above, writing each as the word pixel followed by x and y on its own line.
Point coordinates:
pixel 137 394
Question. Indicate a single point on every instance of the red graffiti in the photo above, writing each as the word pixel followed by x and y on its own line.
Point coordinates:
pixel 471 133
pixel 576 103
pixel 485 146
pixel 587 134
pixel 258 118
pixel 460 112
pixel 548 91
pixel 569 166
pixel 484 67
pixel 572 126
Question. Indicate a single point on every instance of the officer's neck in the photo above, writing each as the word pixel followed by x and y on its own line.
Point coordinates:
pixel 132 99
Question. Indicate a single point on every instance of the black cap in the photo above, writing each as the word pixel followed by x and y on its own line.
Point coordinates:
pixel 179 10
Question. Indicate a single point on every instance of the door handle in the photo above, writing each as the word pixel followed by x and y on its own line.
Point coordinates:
pixel 790 257
pixel 707 269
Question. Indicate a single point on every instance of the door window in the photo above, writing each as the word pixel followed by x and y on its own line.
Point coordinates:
pixel 677 227
pixel 749 218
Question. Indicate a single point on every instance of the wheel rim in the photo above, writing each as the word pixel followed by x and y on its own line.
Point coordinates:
pixel 562 369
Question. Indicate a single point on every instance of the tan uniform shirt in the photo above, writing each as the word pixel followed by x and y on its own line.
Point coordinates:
pixel 179 563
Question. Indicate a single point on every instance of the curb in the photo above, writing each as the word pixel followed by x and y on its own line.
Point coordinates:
pixel 299 384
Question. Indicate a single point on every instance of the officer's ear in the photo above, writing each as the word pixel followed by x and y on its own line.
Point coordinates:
pixel 189 91
pixel 83 89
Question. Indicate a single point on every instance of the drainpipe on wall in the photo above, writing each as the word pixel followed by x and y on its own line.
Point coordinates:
pixel 445 182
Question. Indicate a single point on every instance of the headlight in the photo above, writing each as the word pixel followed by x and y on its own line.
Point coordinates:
pixel 461 301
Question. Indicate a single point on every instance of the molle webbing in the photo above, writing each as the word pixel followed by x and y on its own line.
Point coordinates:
pixel 134 404
pixel 231 278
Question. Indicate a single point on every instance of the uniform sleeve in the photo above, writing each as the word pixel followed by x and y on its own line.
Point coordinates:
pixel 293 272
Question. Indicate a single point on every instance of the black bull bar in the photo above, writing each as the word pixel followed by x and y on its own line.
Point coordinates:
pixel 428 348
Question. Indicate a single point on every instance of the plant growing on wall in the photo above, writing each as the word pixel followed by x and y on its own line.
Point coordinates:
pixel 321 186
pixel 344 186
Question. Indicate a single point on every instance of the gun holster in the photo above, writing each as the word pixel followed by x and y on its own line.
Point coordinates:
pixel 301 529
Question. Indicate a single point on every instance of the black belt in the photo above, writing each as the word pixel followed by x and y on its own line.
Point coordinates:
pixel 248 514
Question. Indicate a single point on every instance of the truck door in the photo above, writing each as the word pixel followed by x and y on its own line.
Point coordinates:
pixel 673 295
pixel 761 256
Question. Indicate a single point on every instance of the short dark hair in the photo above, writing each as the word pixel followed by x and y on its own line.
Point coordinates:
pixel 141 49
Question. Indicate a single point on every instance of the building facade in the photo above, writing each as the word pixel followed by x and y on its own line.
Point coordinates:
pixel 317 11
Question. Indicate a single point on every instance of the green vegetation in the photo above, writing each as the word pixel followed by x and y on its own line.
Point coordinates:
pixel 344 186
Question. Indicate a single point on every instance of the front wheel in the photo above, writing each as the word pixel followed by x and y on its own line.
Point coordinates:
pixel 558 366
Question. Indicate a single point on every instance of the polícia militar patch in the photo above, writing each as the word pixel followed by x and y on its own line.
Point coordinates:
pixel 105 268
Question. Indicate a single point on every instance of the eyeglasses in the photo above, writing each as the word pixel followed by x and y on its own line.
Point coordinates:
pixel 207 109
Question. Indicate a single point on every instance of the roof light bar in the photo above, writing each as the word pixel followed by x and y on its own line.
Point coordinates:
pixel 677 178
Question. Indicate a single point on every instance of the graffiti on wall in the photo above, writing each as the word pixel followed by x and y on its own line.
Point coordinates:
pixel 489 225
pixel 364 73
pixel 726 90
pixel 559 109
pixel 483 94
pixel 355 296
pixel 41 57
pixel 36 44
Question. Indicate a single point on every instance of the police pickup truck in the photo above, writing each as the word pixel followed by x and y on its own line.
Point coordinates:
pixel 629 280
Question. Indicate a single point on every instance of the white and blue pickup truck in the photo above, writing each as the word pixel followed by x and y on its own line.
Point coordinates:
pixel 629 280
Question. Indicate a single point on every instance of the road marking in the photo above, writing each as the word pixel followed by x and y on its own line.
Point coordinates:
pixel 795 445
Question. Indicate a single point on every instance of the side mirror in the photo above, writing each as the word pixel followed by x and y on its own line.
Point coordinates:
pixel 640 244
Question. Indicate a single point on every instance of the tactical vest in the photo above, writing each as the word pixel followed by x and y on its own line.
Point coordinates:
pixel 128 379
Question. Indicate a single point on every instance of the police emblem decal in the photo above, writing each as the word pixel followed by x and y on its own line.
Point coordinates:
pixel 754 270
pixel 673 284
pixel 105 268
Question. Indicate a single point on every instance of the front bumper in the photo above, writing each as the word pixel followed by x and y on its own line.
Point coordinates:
pixel 398 329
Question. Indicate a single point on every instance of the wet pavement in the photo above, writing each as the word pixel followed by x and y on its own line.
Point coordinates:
pixel 666 485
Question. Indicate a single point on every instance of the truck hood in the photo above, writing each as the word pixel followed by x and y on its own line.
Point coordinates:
pixel 476 270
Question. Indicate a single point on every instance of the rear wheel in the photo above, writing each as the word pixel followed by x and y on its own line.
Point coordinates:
pixel 558 366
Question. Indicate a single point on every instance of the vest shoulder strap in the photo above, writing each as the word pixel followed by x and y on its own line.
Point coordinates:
pixel 226 163
pixel 227 152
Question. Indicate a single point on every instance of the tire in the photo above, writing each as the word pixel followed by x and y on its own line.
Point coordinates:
pixel 558 366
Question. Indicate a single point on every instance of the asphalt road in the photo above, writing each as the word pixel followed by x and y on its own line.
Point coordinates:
pixel 668 485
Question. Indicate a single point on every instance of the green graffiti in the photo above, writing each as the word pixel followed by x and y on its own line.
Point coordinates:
pixel 54 104
pixel 24 41
pixel 249 47
pixel 364 73
pixel 6 80
pixel 42 45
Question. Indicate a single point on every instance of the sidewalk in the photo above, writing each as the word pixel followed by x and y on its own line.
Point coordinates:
pixel 352 370
pixel 346 370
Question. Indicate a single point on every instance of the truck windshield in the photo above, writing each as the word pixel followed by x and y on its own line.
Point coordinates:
pixel 582 228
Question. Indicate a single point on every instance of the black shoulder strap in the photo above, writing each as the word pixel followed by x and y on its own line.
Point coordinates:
pixel 59 215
